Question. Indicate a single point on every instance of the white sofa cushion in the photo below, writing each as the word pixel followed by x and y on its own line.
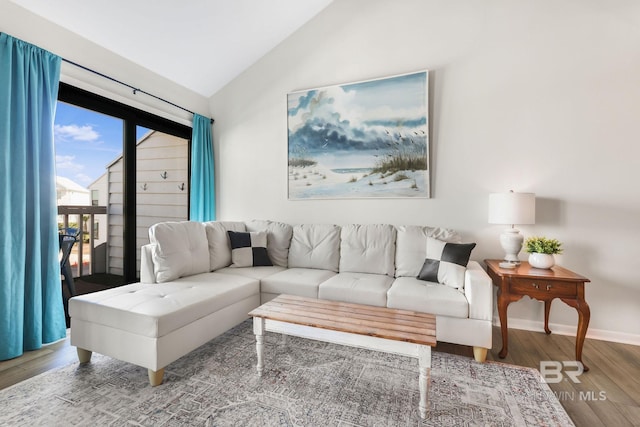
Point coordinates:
pixel 368 249
pixel 154 310
pixel 302 282
pixel 218 239
pixel 360 288
pixel 181 249
pixel 278 239
pixel 315 246
pixel 411 246
pixel 252 272
pixel 409 293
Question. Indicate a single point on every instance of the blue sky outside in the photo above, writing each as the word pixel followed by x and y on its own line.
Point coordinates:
pixel 86 142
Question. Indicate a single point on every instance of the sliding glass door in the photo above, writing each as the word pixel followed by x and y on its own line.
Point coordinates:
pixel 88 148
pixel 141 176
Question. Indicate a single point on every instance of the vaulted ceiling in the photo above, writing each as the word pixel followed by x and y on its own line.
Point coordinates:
pixel 199 44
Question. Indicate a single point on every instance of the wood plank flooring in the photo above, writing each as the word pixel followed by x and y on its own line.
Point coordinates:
pixel 607 395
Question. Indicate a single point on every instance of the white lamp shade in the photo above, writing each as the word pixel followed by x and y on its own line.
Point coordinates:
pixel 512 208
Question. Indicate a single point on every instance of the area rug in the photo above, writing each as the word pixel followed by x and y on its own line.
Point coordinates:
pixel 305 383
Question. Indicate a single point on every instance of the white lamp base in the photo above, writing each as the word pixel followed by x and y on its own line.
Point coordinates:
pixel 508 264
pixel 511 241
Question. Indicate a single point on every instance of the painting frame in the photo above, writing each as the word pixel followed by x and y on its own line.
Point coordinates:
pixel 360 140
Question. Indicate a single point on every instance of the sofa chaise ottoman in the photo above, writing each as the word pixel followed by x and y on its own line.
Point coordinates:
pixel 151 326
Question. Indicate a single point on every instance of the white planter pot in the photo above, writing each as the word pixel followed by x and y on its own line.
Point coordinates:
pixel 541 260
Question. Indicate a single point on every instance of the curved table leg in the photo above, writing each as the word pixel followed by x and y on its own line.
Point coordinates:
pixel 503 303
pixel 584 314
pixel 547 310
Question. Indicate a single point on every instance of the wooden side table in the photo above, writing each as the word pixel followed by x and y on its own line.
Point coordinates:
pixel 543 285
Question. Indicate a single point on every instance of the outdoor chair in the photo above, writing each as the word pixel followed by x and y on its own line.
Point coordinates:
pixel 66 245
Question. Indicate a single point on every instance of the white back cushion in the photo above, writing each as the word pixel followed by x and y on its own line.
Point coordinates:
pixel 181 249
pixel 411 246
pixel 278 239
pixel 315 246
pixel 218 239
pixel 368 249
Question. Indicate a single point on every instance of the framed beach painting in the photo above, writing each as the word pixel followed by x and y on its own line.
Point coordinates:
pixel 368 139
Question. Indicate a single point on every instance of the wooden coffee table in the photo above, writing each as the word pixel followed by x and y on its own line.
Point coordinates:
pixel 403 332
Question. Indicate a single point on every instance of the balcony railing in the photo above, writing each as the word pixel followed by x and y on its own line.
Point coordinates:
pixel 81 212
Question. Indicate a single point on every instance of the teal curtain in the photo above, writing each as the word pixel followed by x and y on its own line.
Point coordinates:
pixel 31 310
pixel 203 192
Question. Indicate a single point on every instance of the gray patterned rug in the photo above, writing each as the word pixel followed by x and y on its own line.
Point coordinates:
pixel 306 383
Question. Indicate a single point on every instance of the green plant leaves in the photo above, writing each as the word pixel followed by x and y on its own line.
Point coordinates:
pixel 543 245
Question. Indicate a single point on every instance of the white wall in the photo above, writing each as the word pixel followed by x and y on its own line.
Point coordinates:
pixel 22 24
pixel 539 96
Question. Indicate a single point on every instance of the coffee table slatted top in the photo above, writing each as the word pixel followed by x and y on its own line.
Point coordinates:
pixel 381 322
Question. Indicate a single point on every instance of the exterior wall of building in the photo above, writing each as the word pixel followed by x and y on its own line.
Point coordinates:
pixel 162 192
pixel 99 192
pixel 115 209
pixel 70 193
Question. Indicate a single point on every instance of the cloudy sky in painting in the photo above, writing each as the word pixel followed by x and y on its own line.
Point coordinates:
pixel 345 126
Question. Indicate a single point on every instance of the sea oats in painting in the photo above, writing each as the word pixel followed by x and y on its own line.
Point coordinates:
pixel 360 140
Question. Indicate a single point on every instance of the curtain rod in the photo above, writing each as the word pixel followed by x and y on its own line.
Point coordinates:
pixel 135 89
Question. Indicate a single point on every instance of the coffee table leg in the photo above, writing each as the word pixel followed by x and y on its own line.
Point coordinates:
pixel 258 330
pixel 424 380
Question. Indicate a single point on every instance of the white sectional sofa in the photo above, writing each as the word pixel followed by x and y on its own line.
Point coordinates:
pixel 192 288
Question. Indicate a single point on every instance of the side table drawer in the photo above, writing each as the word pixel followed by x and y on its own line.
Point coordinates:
pixel 531 286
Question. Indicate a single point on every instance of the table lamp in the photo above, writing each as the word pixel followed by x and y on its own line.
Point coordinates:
pixel 512 209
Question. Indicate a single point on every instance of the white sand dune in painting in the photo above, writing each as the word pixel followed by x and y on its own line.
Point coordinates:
pixel 319 181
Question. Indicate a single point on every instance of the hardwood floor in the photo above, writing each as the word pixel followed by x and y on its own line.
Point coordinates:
pixel 607 395
pixel 35 362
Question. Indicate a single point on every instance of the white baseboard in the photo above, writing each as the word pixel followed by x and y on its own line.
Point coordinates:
pixel 560 329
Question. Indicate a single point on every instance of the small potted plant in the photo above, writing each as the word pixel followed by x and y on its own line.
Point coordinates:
pixel 541 251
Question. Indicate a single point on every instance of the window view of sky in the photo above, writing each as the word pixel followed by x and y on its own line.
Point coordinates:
pixel 86 142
